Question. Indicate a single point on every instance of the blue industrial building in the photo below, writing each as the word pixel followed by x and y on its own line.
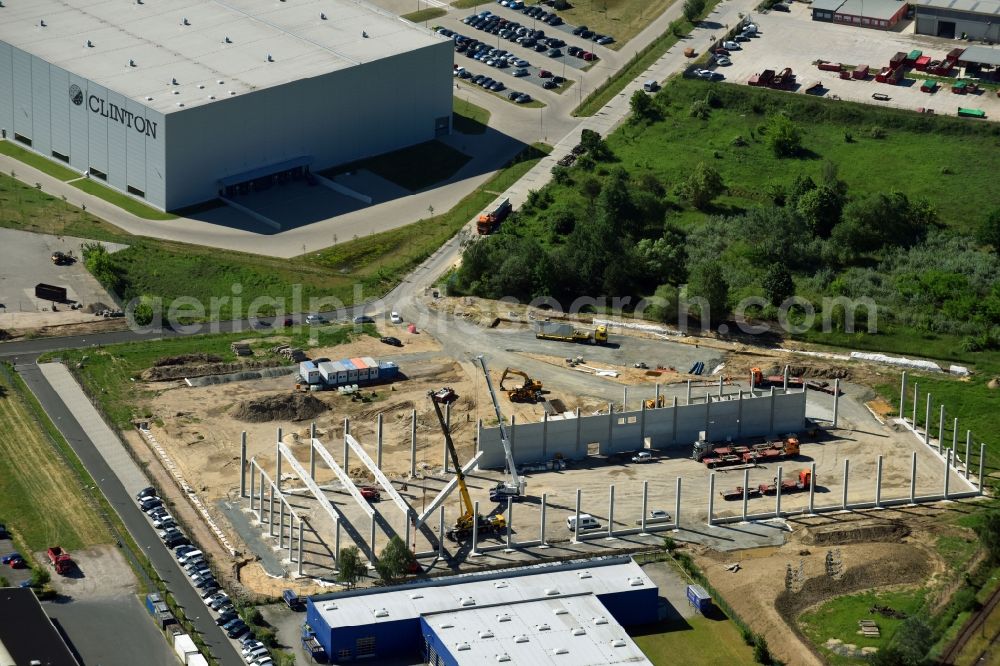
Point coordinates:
pixel 570 610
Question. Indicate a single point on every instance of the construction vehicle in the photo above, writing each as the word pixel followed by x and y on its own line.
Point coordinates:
pixel 529 391
pixel 513 486
pixel 653 403
pixel 760 381
pixel 764 452
pixel 566 333
pixel 802 482
pixel 737 493
pixel 60 559
pixel 489 221
pixel 62 258
pixel 462 529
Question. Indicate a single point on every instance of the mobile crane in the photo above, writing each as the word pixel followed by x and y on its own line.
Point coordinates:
pixel 513 487
pixel 463 526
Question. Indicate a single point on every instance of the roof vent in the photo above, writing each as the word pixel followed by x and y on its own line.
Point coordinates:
pixel 585 574
pixel 131 63
pixel 41 24
pixel 138 2
pixel 461 647
pixel 503 657
pixel 551 592
pixel 600 620
pixel 468 601
pixel 635 582
pixel 211 96
pixel 185 22
pixel 220 82
pixel 330 606
pixel 149 98
pixel 269 58
pixel 500 584
pixel 381 612
pixel 90 44
pixel 416 595
pixel 228 41
pixel 542 627
pixel 232 92
pixel 486 634
pixel 579 631
pixel 618 643
pixel 560 650
pixel 521 639
pixel 180 103
pixel 364 34
pixel 173 82
pixel 561 611
pixel 176 92
pixel 503 618
pixel 322 16
pixel 446 625
pixel 201 86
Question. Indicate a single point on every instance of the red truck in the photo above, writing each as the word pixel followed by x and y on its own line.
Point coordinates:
pixel 60 559
pixel 489 221
pixel 795 485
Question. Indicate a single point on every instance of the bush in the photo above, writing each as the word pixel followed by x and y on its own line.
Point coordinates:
pixel 699 109
pixel 877 132
pixel 39 577
pixel 761 654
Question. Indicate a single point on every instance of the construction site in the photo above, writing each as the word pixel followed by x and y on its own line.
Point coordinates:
pixel 286 477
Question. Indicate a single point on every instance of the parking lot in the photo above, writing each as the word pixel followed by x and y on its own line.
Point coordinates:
pixel 794 40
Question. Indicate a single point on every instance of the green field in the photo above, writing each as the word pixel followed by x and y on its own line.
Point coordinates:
pixel 622 19
pixel 123 201
pixel 35 160
pixel 839 619
pixel 422 15
pixel 36 480
pixel 698 641
pixel 469 118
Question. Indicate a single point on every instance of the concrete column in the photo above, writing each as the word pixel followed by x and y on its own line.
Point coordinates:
pixel 720 386
pixel 444 445
pixel 688 401
pixel 611 512
pixel 624 398
pixel 673 432
pixel 982 456
pixel 545 436
pixel 312 452
pixel 954 441
pixel 611 424
pixel 916 387
pixel 940 444
pixel 270 510
pixel 509 548
pixel 878 483
pixel 947 471
pixel 777 491
pixel 243 465
pixel 708 415
pixel 847 476
pixel 378 441
pixel 968 443
pixel 645 507
pixel 752 385
pixel 336 544
pixel 513 439
pixel 347 451
pixel 300 547
pixel 577 448
pixel 277 462
pixel 836 400
pixel 902 395
pixel 913 478
pixel 711 496
pixel 739 414
pixel 770 421
pixel 812 488
pixel 441 532
pixel 371 538
pixel 746 492
pixel 927 422
pixel 784 383
pixel 642 424
pixel 576 525
pixel 253 476
pixel 541 528
pixel 677 504
pixel 475 529
pixel 413 442
pixel 281 523
pixel 406 532
pixel 656 398
pixel 479 435
pixel 291 533
pixel 260 499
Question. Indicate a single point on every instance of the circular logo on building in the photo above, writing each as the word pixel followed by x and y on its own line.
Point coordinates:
pixel 75 94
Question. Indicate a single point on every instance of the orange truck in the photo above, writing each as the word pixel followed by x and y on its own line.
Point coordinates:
pixel 490 220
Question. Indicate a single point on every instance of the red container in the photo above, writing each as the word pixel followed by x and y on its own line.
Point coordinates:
pixel 861 72
pixel 831 66
pixel 922 62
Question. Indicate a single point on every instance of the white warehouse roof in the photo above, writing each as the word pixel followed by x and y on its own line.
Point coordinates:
pixel 543 581
pixel 574 630
pixel 211 48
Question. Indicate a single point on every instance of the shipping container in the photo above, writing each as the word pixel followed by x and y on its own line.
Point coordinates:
pixel 49 292
pixel 929 86
pixel 912 56
pixel 184 646
pixel 387 370
pixel 699 598
pixel 954 55
pixel 861 72
pixel 309 372
pixel 197 660
pixel 897 60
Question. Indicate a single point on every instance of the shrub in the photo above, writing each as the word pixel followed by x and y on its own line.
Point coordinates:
pixel 877 132
pixel 699 109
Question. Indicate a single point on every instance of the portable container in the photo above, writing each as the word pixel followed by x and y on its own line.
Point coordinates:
pixel 309 372
pixel 699 598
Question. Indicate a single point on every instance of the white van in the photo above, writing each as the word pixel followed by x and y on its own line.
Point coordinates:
pixel 191 555
pixel 587 522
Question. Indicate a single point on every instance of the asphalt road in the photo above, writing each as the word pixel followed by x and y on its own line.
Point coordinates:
pixel 135 521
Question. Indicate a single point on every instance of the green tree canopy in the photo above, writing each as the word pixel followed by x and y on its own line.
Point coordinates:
pixel 778 284
pixel 702 186
pixel 783 137
pixel 989 230
pixel 350 567
pixel 707 282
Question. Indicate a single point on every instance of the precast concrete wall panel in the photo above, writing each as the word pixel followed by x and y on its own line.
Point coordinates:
pixel 6 88
pixel 79 127
pixel 59 103
pixel 156 160
pixel 117 162
pixel 97 129
pixel 23 123
pixel 135 150
pixel 41 121
pixel 669 428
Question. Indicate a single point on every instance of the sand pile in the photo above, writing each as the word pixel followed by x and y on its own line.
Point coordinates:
pixel 281 407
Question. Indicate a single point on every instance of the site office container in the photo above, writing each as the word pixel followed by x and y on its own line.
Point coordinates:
pixel 352 370
pixel 372 364
pixel 362 369
pixel 387 370
pixel 309 372
pixel 699 598
pixel 328 371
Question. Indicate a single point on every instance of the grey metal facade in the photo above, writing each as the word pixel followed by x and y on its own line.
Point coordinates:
pixel 177 159
pixel 949 23
pixel 733 416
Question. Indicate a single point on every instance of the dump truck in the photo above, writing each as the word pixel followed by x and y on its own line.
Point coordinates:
pixel 798 484
pixel 489 221
pixel 60 559
pixel 566 333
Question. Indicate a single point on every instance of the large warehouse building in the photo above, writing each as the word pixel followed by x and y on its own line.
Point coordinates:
pixel 965 19
pixel 178 101
pixel 562 613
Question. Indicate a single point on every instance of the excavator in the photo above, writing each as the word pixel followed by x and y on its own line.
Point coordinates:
pixel 462 529
pixel 529 391
pixel 653 403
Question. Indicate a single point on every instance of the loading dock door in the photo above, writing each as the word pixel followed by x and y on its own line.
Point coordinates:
pixel 946 29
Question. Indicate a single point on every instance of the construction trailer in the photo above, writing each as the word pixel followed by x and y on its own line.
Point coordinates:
pixel 362 370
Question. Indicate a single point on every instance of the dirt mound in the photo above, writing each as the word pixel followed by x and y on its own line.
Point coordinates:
pixel 184 359
pixel 169 372
pixel 4 335
pixel 370 414
pixel 993 383
pixel 836 535
pixel 811 372
pixel 282 407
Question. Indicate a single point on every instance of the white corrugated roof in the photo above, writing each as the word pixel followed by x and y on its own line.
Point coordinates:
pixel 989 7
pixel 186 41
pixel 574 631
pixel 543 581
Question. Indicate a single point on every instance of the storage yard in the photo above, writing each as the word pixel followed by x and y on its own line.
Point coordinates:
pixel 794 41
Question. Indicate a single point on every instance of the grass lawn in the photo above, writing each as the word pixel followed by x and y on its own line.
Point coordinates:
pixel 24 207
pixel 839 617
pixel 469 4
pixel 37 482
pixel 622 19
pixel 35 160
pixel 425 14
pixel 468 118
pixel 414 168
pixel 699 642
pixel 123 201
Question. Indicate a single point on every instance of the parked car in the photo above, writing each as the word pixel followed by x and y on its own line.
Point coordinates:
pixel 149 491
pixel 497 86
pixel 238 630
pixel 544 74
pixel 659 514
pixel 17 563
pixel 523 98
pixel 150 503
pixel 4 534
pixel 642 457
pixel 519 72
pixel 389 340
pixel 550 84
pixel 178 540
pixel 604 40
pixel 731 46
pixel 226 618
pixel 10 556
pixel 651 86
pixel 314 319
pixel 363 319
pixel 723 60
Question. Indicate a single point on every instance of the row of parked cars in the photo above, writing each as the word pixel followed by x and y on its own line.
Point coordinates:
pixel 192 562
pixel 527 37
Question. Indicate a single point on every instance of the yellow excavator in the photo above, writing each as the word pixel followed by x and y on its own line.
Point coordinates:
pixel 653 403
pixel 529 391
pixel 462 528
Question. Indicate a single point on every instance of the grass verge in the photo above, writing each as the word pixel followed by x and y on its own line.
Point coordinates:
pixel 425 14
pixel 695 641
pixel 413 168
pixel 468 118
pixel 37 161
pixel 123 201
pixel 29 209
pixel 622 19
pixel 639 63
